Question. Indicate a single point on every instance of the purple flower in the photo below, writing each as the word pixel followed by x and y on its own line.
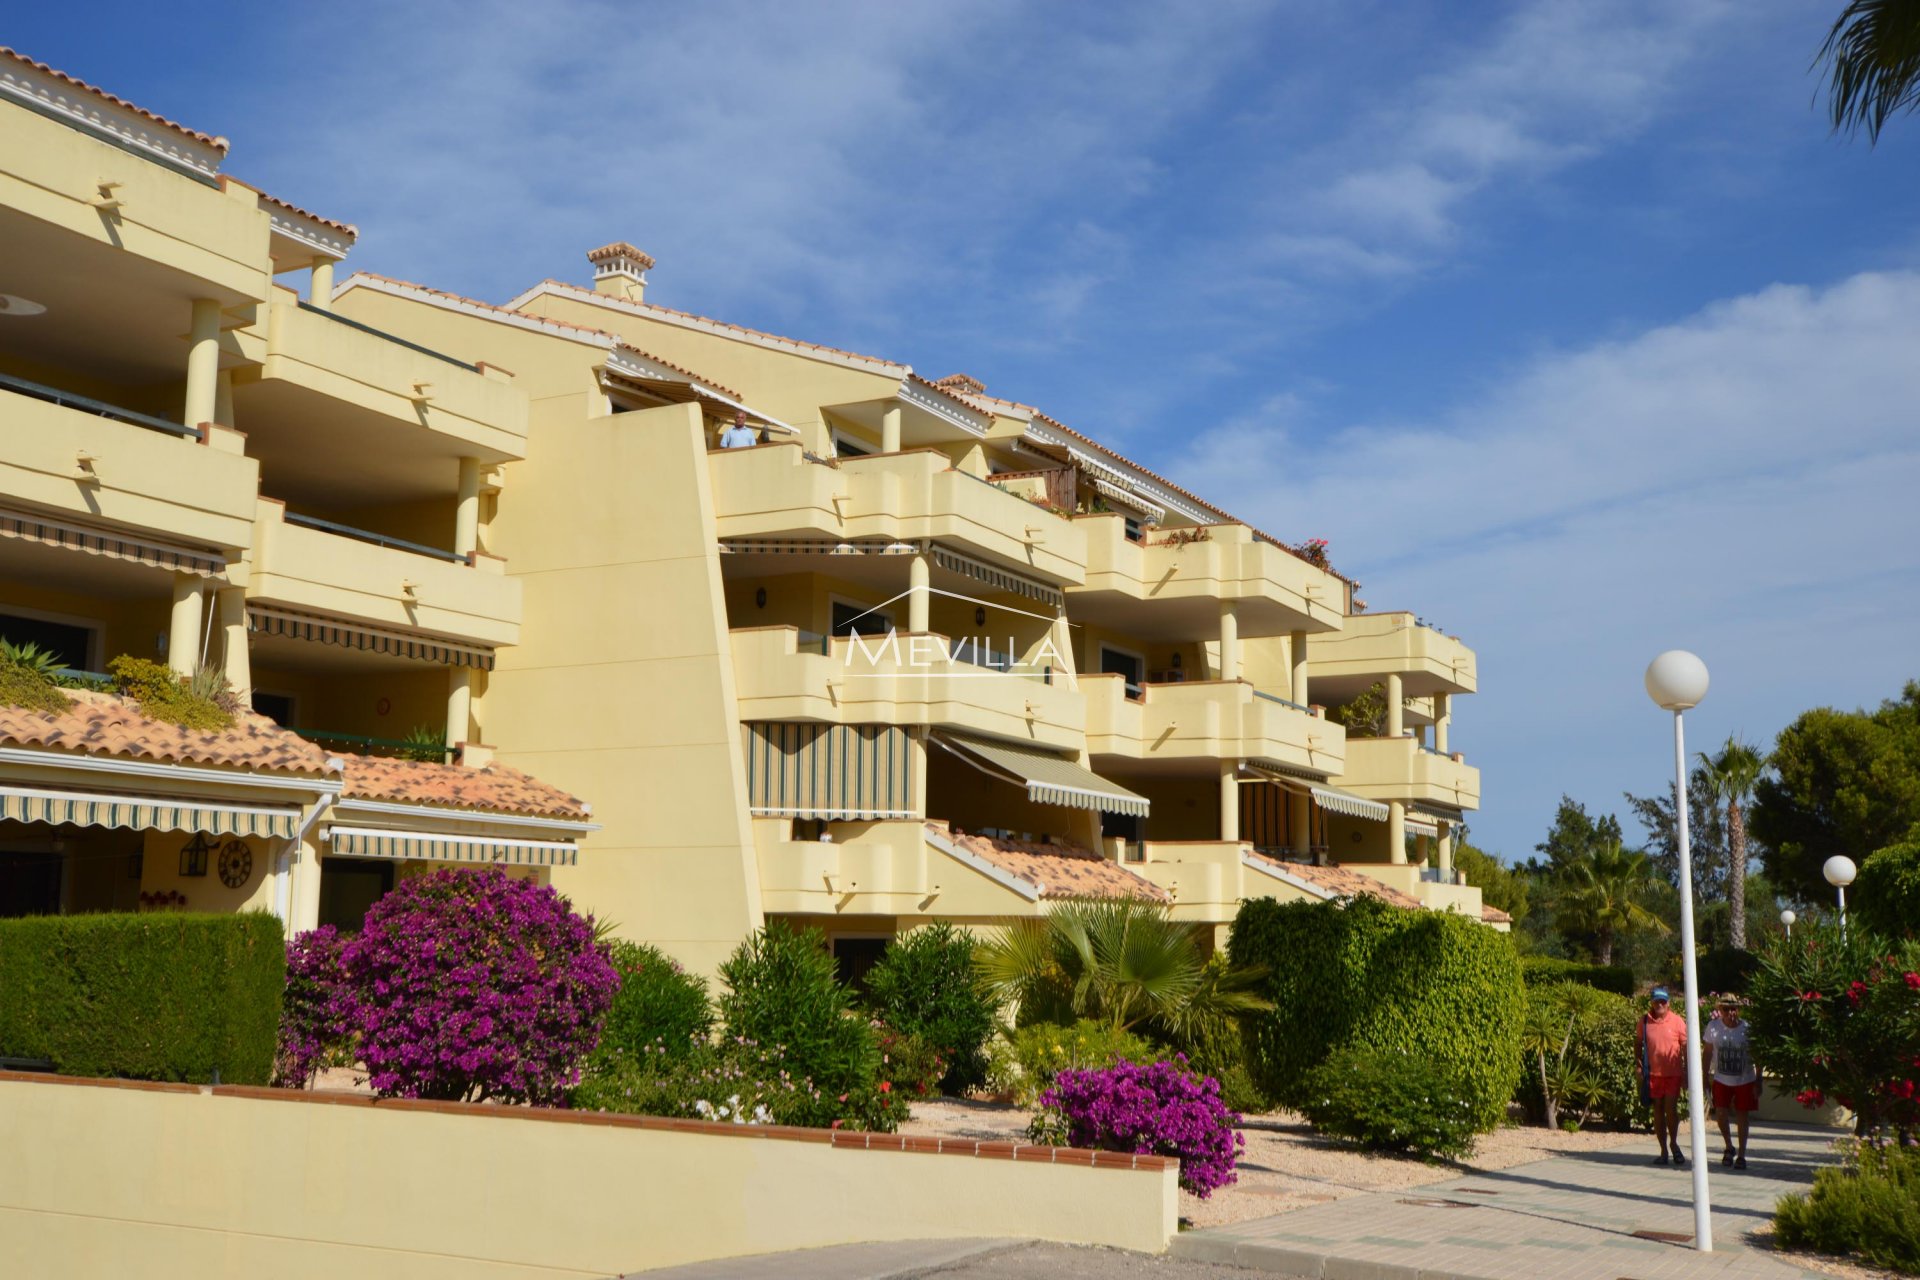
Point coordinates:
pixel 1160 1109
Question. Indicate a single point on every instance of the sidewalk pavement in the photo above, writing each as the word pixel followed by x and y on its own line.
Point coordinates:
pixel 1586 1216
pixel 883 1260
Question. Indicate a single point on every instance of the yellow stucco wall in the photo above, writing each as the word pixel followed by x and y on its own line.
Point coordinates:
pixel 190 1183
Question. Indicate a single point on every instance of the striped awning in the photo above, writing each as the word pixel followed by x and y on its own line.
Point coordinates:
pixel 1353 806
pixel 815 547
pixel 143 813
pixel 1123 495
pixel 836 772
pixel 272 621
pixel 1048 776
pixel 435 846
pixel 114 546
pixel 1416 827
pixel 996 577
pixel 1286 775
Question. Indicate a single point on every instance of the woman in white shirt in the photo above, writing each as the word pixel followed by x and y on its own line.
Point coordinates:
pixel 1736 1081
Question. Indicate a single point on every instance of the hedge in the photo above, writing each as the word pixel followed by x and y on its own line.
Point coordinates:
pixel 1432 984
pixel 1539 971
pixel 158 996
pixel 1886 897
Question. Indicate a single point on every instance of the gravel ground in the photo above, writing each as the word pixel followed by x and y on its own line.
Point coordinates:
pixel 1285 1165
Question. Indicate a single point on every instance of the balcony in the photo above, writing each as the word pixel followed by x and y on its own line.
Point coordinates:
pixel 70 456
pixel 778 491
pixel 1181 576
pixel 1402 769
pixel 1206 720
pixel 326 366
pixel 1372 646
pixel 313 566
pixel 782 673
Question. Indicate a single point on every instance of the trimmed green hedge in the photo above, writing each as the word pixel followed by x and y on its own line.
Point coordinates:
pixel 158 996
pixel 1539 971
pixel 1431 984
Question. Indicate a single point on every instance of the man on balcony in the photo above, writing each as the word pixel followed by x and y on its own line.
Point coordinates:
pixel 739 435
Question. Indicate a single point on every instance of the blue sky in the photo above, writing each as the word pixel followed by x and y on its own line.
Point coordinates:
pixel 1569 324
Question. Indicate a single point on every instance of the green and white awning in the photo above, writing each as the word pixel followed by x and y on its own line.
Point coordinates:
pixel 816 547
pixel 834 772
pixel 1048 776
pixel 1353 806
pixel 433 846
pixel 143 813
pixel 994 576
pixel 272 621
pixel 114 546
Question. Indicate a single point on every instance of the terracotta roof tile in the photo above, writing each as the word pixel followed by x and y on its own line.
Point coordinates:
pixel 1494 915
pixel 493 789
pixel 101 724
pixel 1339 881
pixel 345 227
pixel 1057 870
pixel 219 144
pixel 620 249
pixel 964 383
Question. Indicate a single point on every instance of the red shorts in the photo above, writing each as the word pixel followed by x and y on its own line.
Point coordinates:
pixel 1737 1097
pixel 1665 1086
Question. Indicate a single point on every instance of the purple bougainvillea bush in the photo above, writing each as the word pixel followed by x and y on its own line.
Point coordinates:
pixel 1158 1109
pixel 471 985
pixel 312 1014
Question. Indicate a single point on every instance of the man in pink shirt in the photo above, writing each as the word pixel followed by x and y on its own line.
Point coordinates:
pixel 1663 1072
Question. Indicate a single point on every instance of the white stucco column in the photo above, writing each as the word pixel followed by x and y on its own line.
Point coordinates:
pixel 1396 707
pixel 183 629
pixel 466 514
pixel 203 363
pixel 1443 847
pixel 1297 654
pixel 890 429
pixel 919 579
pixel 320 288
pixel 1229 641
pixel 1442 718
pixel 231 607
pixel 1230 800
pixel 1397 830
pixel 459 705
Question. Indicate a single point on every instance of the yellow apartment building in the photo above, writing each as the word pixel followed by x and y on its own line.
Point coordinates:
pixel 203 468
pixel 820 638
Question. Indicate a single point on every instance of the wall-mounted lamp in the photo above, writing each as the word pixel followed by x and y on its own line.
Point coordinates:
pixel 760 597
pixel 980 616
pixel 193 856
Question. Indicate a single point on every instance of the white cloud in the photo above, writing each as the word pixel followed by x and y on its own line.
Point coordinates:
pixel 1740 483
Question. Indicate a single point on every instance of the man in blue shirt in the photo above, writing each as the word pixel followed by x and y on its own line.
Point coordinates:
pixel 739 435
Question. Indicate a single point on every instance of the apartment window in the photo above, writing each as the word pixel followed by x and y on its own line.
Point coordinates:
pixel 1135 532
pixel 277 707
pixel 348 887
pixel 1119 662
pixel 854 958
pixel 852 619
pixel 70 642
pixel 847 447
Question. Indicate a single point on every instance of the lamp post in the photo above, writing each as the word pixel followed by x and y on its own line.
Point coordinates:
pixel 1677 681
pixel 1839 872
pixel 1787 918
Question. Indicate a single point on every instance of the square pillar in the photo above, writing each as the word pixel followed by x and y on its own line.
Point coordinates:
pixel 183 630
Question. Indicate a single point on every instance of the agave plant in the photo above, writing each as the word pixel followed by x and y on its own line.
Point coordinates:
pixel 1125 963
pixel 424 743
pixel 31 659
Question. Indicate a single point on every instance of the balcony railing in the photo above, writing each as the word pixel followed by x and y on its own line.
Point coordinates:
pixel 1285 702
pixel 1443 875
pixel 377 539
pixel 68 400
pixel 382 333
pixel 396 748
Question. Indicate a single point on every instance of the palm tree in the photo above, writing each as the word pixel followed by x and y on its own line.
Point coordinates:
pixel 1126 963
pixel 1602 894
pixel 1732 775
pixel 1874 47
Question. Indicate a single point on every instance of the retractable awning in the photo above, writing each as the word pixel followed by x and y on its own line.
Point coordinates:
pixel 268 620
pixel 1415 827
pixel 1048 776
pixel 110 544
pixel 832 772
pixel 144 813
pixel 434 846
pixel 1334 801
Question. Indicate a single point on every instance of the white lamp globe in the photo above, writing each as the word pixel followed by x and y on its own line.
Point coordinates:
pixel 1839 871
pixel 1677 680
pixel 1787 917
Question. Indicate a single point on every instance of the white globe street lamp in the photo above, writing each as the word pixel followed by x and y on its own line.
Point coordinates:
pixel 1839 872
pixel 1677 681
pixel 1787 918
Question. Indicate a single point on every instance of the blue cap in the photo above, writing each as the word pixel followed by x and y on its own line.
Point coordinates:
pixel 1660 993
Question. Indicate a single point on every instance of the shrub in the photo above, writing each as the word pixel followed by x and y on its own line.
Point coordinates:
pixel 1869 1207
pixel 313 1012
pixel 1545 970
pixel 658 1003
pixel 1427 985
pixel 1029 1061
pixel 781 990
pixel 29 678
pixel 1837 1015
pixel 1886 896
pixel 1723 970
pixel 745 1081
pixel 165 996
pixel 473 985
pixel 913 1067
pixel 202 701
pixel 1585 1043
pixel 1154 1109
pixel 923 986
pixel 1391 1100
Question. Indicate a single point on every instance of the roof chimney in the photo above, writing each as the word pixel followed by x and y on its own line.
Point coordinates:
pixel 962 384
pixel 620 270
